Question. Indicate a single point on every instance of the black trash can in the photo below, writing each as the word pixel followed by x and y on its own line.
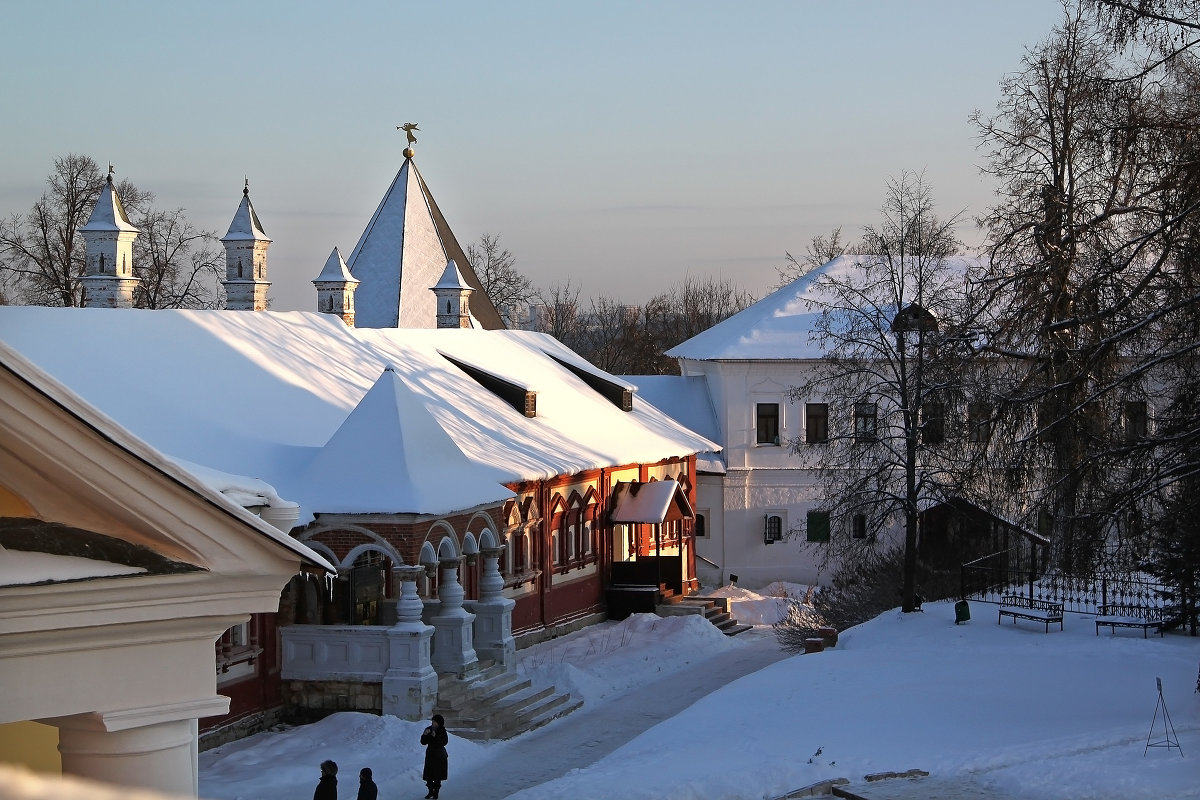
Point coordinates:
pixel 962 612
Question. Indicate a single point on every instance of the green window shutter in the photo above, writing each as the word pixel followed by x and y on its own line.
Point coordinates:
pixel 818 526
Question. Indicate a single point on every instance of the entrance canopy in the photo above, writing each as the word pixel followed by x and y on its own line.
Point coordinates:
pixel 654 502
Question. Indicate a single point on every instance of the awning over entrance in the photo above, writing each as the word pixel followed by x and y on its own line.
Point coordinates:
pixel 654 502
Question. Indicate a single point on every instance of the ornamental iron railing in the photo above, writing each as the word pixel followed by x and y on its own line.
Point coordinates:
pixel 1021 570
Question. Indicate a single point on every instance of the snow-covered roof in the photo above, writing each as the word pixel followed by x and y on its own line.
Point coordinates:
pixel 645 502
pixel 780 326
pixel 245 225
pixel 109 213
pixel 21 567
pixel 335 269
pixel 686 400
pixel 273 396
pixel 451 278
pixel 402 252
pixel 223 490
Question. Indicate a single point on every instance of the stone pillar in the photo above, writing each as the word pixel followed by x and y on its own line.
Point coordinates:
pixel 493 613
pixel 453 639
pixel 410 684
pixel 151 748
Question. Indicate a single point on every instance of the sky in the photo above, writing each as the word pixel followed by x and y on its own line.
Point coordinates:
pixel 619 147
pixel 990 711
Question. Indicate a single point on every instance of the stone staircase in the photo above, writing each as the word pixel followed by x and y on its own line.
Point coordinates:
pixel 714 609
pixel 497 703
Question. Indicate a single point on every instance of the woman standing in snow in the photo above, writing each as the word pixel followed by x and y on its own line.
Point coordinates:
pixel 436 759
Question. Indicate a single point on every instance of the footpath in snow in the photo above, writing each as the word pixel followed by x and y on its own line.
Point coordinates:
pixel 674 709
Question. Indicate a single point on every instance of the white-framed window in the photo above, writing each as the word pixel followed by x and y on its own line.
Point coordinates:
pixel 774 525
pixel 866 427
pixel 766 424
pixel 816 423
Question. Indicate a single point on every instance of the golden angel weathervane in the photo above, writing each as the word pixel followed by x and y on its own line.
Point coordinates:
pixel 408 128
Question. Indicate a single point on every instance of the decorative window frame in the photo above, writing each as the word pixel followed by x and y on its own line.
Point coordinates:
pixel 774 525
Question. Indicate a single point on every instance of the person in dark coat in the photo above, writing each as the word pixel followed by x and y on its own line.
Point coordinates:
pixel 437 763
pixel 327 786
pixel 367 790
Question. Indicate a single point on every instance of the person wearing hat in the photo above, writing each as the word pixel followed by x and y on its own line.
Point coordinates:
pixel 437 762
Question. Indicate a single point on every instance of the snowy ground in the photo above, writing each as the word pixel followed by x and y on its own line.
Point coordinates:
pixel 985 708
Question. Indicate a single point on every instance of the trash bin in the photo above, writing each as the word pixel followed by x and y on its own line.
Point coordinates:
pixel 962 612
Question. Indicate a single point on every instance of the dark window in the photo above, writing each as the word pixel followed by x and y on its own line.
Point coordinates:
pixel 767 423
pixel 1047 421
pixel 774 529
pixel 816 423
pixel 818 526
pixel 933 423
pixel 700 528
pixel 979 421
pixel 858 526
pixel 865 429
pixel 1135 420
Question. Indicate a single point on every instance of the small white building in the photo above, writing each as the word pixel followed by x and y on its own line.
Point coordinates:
pixel 118 570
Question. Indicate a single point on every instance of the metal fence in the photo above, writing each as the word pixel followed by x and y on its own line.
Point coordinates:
pixel 1021 570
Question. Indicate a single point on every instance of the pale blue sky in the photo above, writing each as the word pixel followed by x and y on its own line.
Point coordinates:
pixel 621 145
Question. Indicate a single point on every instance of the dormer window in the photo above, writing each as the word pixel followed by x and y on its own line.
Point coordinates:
pixel 620 396
pixel 519 397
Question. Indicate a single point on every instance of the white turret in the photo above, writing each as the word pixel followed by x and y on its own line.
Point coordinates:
pixel 453 294
pixel 335 288
pixel 246 246
pixel 108 279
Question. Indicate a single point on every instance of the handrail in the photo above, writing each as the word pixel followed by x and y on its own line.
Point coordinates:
pixel 706 561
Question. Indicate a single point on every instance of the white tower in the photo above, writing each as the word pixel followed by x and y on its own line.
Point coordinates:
pixel 246 246
pixel 335 288
pixel 108 279
pixel 453 293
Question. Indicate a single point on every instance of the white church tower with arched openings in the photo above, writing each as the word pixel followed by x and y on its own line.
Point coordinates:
pixel 335 288
pixel 246 246
pixel 108 279
pixel 453 299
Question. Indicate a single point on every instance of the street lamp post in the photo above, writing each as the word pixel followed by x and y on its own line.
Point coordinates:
pixel 912 319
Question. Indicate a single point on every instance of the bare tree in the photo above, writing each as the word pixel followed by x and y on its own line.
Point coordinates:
pixel 178 265
pixel 41 252
pixel 558 314
pixel 628 339
pixel 889 374
pixel 510 291
pixel 1088 293
pixel 821 250
pixel 42 255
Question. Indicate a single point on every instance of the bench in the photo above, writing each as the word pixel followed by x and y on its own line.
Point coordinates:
pixel 1019 606
pixel 1120 615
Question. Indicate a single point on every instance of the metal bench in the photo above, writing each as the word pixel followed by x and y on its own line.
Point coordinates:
pixel 1019 606
pixel 1121 615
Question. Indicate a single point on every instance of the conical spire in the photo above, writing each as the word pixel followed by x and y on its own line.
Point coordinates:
pixel 108 279
pixel 246 246
pixel 402 253
pixel 245 223
pixel 109 213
